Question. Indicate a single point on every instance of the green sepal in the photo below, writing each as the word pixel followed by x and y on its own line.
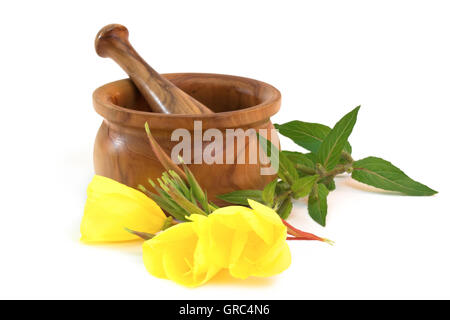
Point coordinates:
pixel 142 235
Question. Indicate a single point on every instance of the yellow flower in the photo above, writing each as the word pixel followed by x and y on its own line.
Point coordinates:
pixel 247 242
pixel 178 254
pixel 111 207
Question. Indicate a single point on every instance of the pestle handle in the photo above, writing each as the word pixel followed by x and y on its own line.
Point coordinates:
pixel 161 94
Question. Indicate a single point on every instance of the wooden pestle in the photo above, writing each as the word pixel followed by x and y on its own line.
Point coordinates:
pixel 161 94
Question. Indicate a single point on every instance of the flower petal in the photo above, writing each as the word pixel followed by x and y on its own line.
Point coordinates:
pixel 266 213
pixel 175 254
pixel 111 207
pixel 276 265
pixel 247 242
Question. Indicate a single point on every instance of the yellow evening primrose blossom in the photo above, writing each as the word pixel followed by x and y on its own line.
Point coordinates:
pixel 178 254
pixel 252 242
pixel 111 207
pixel 246 241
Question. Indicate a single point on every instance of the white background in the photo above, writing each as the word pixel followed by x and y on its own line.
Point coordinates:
pixel 326 57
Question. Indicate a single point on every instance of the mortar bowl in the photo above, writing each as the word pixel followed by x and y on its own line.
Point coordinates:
pixel 122 151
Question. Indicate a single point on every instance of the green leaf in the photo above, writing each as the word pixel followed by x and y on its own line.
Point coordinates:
pixel 384 175
pixel 330 150
pixel 285 209
pixel 300 158
pixel 302 187
pixel 307 134
pixel 312 156
pixel 268 193
pixel 286 168
pixel 241 196
pixel 317 203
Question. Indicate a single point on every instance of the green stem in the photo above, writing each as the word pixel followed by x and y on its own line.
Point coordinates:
pixel 338 170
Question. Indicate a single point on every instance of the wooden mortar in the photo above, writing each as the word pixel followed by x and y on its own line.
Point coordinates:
pixel 122 151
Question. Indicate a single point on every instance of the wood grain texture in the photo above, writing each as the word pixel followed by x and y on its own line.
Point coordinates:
pixel 161 95
pixel 122 151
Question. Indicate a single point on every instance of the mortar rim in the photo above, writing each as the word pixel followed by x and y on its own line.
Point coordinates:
pixel 248 116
